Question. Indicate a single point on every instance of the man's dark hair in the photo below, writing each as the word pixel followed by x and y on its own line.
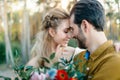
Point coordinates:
pixel 90 10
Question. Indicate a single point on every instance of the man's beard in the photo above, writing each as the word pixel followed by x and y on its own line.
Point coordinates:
pixel 81 41
pixel 81 44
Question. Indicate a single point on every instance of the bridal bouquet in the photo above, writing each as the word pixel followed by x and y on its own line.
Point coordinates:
pixel 62 70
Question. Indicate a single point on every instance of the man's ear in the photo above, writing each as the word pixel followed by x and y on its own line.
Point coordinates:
pixel 85 26
pixel 51 32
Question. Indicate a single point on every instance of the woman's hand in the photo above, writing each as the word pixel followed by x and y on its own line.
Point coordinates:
pixel 64 51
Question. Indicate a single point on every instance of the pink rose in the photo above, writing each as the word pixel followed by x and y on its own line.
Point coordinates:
pixel 36 76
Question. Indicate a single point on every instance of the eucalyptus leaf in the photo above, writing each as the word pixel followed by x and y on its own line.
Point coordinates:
pixel 28 67
pixel 72 73
pixel 6 78
pixel 45 59
pixel 21 67
pixel 71 58
pixel 56 65
pixel 52 56
pixel 16 78
pixel 1 76
pixel 64 60
pixel 80 75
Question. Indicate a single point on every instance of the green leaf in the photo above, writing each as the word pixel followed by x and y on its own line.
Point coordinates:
pixel 80 75
pixel 28 68
pixel 45 59
pixel 1 76
pixel 21 67
pixel 71 58
pixel 56 65
pixel 72 73
pixel 52 56
pixel 64 60
pixel 16 78
pixel 6 78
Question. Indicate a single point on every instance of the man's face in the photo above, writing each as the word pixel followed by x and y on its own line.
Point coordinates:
pixel 78 33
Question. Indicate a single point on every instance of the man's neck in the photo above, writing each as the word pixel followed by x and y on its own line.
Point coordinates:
pixel 98 39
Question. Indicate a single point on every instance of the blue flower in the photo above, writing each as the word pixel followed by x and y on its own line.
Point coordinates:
pixel 52 73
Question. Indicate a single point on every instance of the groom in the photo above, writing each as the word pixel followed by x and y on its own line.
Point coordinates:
pixel 100 61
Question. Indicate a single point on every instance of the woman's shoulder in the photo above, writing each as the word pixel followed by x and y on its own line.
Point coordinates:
pixel 33 62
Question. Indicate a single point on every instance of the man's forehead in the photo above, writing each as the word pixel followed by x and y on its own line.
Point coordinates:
pixel 72 20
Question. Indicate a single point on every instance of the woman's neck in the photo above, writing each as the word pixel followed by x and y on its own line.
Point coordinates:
pixel 54 47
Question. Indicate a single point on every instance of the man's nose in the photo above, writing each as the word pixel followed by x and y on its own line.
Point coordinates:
pixel 70 35
pixel 73 35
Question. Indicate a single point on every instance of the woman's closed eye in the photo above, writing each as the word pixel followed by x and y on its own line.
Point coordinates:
pixel 66 30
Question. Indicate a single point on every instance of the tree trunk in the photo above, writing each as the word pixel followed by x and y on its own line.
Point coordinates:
pixel 9 55
pixel 25 39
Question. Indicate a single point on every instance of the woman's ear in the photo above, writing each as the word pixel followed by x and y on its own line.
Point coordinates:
pixel 51 32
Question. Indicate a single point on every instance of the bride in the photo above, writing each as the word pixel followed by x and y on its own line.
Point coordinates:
pixel 53 37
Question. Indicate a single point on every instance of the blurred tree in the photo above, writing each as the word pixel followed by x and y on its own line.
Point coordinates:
pixel 118 17
pixel 9 55
pixel 110 16
pixel 25 37
pixel 113 15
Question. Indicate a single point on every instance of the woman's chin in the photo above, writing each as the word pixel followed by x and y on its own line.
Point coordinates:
pixel 64 45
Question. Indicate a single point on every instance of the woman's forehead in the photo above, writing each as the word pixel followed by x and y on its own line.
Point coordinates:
pixel 64 24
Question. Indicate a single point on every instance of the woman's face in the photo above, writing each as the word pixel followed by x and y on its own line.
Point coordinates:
pixel 63 33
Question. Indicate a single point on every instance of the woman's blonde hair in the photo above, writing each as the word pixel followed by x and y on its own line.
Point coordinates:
pixel 52 19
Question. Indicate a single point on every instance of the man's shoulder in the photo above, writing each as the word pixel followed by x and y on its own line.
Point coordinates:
pixel 110 54
pixel 112 59
pixel 108 66
pixel 113 55
pixel 80 55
